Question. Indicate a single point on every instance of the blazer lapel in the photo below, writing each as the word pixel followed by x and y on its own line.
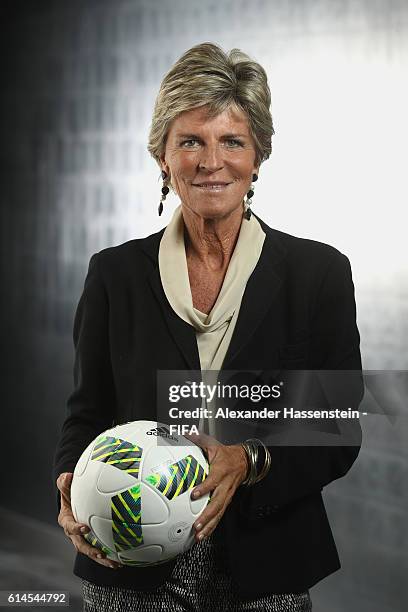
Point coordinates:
pixel 262 288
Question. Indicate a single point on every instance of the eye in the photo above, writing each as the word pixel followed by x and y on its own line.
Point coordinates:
pixel 233 142
pixel 189 143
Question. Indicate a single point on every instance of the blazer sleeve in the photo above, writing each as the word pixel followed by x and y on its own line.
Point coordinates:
pixel 90 407
pixel 298 471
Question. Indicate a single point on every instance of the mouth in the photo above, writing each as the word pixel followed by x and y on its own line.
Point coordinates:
pixel 211 186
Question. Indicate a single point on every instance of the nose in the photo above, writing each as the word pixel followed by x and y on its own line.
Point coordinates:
pixel 211 158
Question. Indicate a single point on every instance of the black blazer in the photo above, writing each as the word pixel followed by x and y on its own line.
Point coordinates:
pixel 298 312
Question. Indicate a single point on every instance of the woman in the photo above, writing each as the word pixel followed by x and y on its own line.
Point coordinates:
pixel 217 289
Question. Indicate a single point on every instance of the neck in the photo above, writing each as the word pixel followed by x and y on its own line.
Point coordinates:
pixel 211 241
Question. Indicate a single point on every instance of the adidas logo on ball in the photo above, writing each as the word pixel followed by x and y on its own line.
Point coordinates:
pixel 163 432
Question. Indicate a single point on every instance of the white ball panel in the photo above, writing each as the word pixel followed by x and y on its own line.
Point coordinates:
pixel 84 497
pixel 155 457
pixel 154 507
pixel 102 528
pixel 83 460
pixel 152 534
pixel 112 480
pixel 144 554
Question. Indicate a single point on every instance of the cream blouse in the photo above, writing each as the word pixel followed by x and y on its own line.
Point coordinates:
pixel 213 331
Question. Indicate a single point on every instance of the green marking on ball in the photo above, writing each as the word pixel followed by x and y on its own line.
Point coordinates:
pixel 153 479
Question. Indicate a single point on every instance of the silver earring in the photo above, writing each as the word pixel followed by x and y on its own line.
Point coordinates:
pixel 248 201
pixel 164 190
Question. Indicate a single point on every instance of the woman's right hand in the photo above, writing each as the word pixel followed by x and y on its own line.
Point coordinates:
pixel 75 531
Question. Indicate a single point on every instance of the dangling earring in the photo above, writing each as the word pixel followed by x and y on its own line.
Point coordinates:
pixel 165 190
pixel 248 202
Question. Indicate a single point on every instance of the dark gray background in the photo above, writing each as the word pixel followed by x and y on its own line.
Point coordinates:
pixel 78 85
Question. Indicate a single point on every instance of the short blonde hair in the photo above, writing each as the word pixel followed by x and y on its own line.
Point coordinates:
pixel 206 75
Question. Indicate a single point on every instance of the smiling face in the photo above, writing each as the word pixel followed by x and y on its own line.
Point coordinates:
pixel 210 161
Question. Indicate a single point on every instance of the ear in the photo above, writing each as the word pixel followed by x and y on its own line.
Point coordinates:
pixel 163 165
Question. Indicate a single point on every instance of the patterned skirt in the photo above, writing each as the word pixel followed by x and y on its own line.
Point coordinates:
pixel 199 582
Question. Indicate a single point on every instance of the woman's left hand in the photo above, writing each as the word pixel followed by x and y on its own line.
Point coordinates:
pixel 228 469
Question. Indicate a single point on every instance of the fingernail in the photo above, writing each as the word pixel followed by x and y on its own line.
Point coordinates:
pixel 198 526
pixel 112 566
pixel 201 535
pixel 99 556
pixel 196 494
pixel 83 529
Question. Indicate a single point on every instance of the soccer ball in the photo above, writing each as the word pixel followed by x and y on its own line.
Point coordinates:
pixel 132 487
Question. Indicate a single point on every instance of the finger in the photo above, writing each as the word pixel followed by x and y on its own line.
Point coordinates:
pixel 216 501
pixel 64 482
pixel 209 484
pixel 75 530
pixel 68 517
pixel 220 474
pixel 65 504
pixel 61 478
pixel 209 527
pixel 219 502
pixel 204 519
pixel 65 500
pixel 93 553
pixel 71 527
pixel 209 519
pixel 67 521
